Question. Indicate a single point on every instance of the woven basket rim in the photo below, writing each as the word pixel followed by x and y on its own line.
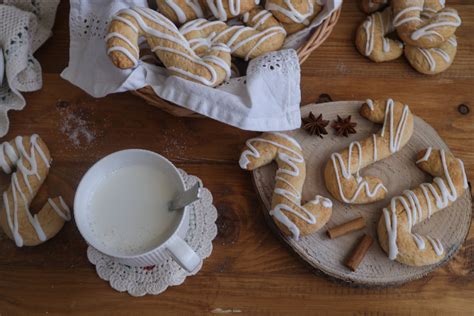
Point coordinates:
pixel 317 38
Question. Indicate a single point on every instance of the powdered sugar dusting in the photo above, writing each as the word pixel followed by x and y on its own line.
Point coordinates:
pixel 76 124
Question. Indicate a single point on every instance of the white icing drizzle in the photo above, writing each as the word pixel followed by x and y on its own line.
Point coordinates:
pixel 370 104
pixel 125 21
pixel 238 38
pixel 426 156
pixel 391 225
pixel 291 12
pixel 369 28
pixel 7 151
pixel 396 19
pixel 437 245
pixel 218 10
pixel 412 206
pixel 346 171
pixel 64 212
pixel 292 158
pixel 397 137
pixel 452 40
pixel 428 55
pixel 16 189
pixel 428 29
pixel 175 37
pixel 465 183
pixel 180 14
pixel 123 38
pixel 420 242
pixel 177 10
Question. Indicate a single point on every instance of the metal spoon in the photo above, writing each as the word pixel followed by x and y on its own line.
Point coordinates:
pixel 185 198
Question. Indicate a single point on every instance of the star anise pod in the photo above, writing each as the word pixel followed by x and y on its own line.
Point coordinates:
pixel 315 125
pixel 344 127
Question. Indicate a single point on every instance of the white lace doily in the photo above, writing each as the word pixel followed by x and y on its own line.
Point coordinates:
pixel 139 281
pixel 24 26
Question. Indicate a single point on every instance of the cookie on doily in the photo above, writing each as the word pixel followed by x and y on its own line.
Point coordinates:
pixel 139 281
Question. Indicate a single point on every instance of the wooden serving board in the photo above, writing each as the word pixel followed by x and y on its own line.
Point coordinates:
pixel 398 173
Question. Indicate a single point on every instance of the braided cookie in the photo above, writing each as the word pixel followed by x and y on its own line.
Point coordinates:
pixel 31 158
pixel 431 61
pixel 370 6
pixel 182 11
pixel 396 132
pixel 294 15
pixel 289 215
pixel 423 23
pixel 371 40
pixel 167 43
pixel 262 34
pixel 414 206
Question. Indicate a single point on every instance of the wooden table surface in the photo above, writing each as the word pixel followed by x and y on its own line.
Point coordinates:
pixel 249 271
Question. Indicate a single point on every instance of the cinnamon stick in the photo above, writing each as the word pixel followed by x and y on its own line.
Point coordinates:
pixel 346 228
pixel 359 252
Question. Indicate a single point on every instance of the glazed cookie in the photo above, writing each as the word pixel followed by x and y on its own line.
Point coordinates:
pixel 182 11
pixel 226 9
pixel 431 61
pixel 371 40
pixel 424 23
pixel 261 34
pixel 31 159
pixel 414 206
pixel 370 6
pixel 290 216
pixel 294 15
pixel 165 40
pixel 341 173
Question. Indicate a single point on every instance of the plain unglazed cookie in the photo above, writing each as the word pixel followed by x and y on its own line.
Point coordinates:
pixel 31 159
pixel 431 61
pixel 416 205
pixel 291 216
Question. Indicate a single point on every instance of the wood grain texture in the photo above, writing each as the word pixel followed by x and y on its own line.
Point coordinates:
pixel 398 173
pixel 249 269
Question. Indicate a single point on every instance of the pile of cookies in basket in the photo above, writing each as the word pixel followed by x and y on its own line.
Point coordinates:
pixel 197 39
pixel 424 33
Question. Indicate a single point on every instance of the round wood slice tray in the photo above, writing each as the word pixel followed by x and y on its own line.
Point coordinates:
pixel 398 173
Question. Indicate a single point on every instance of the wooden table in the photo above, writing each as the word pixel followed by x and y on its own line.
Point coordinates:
pixel 249 270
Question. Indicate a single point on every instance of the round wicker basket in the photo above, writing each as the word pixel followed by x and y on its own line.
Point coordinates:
pixel 320 34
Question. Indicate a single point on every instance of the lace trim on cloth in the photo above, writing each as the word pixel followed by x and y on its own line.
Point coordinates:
pixel 24 27
pixel 140 281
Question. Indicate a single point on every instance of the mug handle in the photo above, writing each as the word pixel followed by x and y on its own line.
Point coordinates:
pixel 183 253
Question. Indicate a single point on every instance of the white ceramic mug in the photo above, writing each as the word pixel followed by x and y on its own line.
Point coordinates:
pixel 175 244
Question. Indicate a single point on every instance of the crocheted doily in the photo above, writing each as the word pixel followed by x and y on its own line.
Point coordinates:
pixel 139 281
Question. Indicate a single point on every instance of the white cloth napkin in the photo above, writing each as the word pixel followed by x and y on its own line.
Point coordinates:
pixel 24 26
pixel 266 99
